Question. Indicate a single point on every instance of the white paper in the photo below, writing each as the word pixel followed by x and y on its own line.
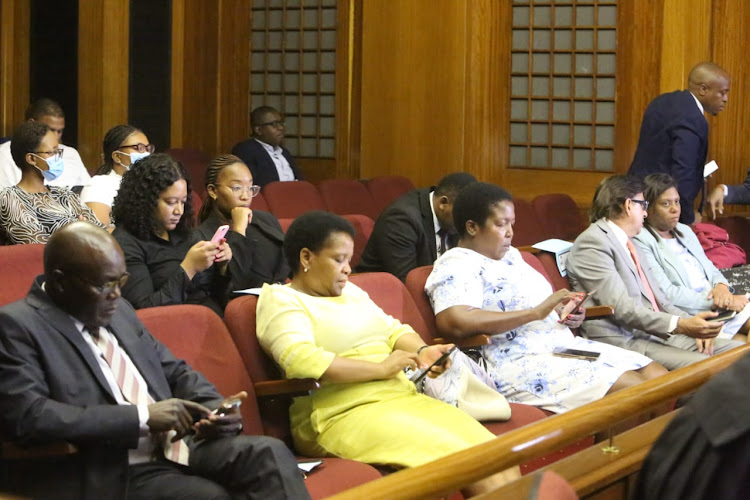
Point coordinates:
pixel 560 248
pixel 308 466
pixel 710 168
pixel 249 291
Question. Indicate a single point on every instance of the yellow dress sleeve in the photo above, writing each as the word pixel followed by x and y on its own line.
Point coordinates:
pixel 394 327
pixel 285 332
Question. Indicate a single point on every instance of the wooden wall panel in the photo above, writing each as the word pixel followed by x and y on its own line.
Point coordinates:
pixel 413 84
pixel 728 139
pixel 210 74
pixel 686 40
pixel 14 63
pixel 103 38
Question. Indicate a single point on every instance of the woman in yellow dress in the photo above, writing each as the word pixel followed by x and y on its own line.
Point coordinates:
pixel 323 327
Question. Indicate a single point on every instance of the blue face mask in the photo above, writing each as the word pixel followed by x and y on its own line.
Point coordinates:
pixel 134 157
pixel 55 167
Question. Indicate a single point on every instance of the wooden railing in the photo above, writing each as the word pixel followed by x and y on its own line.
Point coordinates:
pixel 446 475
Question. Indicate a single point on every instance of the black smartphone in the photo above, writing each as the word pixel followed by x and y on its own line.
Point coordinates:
pixel 723 316
pixel 418 375
pixel 227 406
pixel 576 353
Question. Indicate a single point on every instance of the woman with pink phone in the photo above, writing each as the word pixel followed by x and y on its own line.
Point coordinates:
pixel 153 209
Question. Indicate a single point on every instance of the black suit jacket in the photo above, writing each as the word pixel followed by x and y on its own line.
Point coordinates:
pixel 674 141
pixel 52 389
pixel 403 237
pixel 260 163
pixel 739 193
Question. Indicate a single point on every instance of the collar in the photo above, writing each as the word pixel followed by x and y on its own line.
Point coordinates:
pixel 270 149
pixel 435 221
pixel 700 106
pixel 618 233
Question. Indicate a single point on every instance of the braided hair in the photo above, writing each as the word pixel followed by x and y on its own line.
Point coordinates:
pixel 212 175
pixel 112 140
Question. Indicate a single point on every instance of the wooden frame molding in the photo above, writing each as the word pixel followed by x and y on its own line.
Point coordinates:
pixel 14 63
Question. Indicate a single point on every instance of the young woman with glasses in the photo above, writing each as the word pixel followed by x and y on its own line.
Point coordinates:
pixel 123 145
pixel 255 236
pixel 31 210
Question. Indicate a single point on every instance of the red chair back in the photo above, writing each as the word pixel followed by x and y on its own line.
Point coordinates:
pixel 415 282
pixel 346 196
pixel 197 204
pixel 287 200
pixel 386 189
pixel 19 265
pixel 363 226
pixel 559 216
pixel 195 162
pixel 197 335
pixel 527 229
pixel 259 203
pixel 285 223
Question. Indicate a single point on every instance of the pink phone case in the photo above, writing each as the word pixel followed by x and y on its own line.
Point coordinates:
pixel 219 234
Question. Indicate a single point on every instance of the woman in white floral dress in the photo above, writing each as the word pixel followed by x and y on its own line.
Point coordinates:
pixel 485 286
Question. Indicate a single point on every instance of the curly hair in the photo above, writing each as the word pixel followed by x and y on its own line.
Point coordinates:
pixel 311 230
pixel 212 174
pixel 26 139
pixel 112 140
pixel 138 196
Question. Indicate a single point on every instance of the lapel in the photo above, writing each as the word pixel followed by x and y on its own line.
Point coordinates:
pixel 624 254
pixel 270 167
pixel 427 222
pixel 59 321
pixel 669 258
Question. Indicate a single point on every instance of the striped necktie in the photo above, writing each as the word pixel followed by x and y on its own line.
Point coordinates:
pixel 135 391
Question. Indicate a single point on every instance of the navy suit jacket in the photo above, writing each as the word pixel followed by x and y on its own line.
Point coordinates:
pixel 674 141
pixel 739 193
pixel 403 237
pixel 260 163
pixel 52 389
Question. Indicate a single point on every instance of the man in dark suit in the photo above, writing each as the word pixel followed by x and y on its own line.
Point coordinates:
pixel 730 194
pixel 674 134
pixel 77 365
pixel 415 229
pixel 262 153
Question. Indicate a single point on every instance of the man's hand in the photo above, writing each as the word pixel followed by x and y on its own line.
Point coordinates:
pixel 175 414
pixel 698 326
pixel 715 200
pixel 221 423
pixel 705 346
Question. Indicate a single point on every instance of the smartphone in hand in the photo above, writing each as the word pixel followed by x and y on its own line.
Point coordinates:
pixel 574 305
pixel 221 231
pixel 723 316
pixel 418 375
pixel 227 406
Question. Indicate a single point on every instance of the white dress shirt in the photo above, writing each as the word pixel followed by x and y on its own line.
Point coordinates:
pixel 74 172
pixel 282 166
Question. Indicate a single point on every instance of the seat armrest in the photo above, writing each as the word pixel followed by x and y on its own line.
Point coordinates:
pixel 291 387
pixel 473 341
pixel 594 312
pixel 13 451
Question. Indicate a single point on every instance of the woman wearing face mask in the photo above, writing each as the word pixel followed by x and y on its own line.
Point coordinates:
pixel 154 212
pixel 255 236
pixel 123 145
pixel 31 211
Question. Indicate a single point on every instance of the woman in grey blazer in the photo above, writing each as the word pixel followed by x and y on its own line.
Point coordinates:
pixel 678 263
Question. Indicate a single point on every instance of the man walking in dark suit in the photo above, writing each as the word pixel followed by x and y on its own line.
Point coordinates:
pixel 674 134
pixel 77 365
pixel 415 229
pixel 263 153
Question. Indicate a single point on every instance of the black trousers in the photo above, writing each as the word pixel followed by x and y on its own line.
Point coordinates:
pixel 240 467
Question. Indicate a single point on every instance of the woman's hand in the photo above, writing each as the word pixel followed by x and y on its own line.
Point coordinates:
pixel 397 361
pixel 241 218
pixel 738 302
pixel 722 297
pixel 200 257
pixel 575 318
pixel 223 256
pixel 560 297
pixel 432 353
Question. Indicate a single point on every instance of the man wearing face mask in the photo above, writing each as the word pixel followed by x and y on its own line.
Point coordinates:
pixel 31 210
pixel 51 114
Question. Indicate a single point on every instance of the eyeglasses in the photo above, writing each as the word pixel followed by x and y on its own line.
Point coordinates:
pixel 55 153
pixel 251 191
pixel 141 148
pixel 275 124
pixel 109 286
pixel 642 203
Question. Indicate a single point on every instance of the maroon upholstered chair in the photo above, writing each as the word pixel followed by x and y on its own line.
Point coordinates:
pixel 285 223
pixel 363 226
pixel 386 189
pixel 19 265
pixel 287 200
pixel 527 229
pixel 346 196
pixel 197 335
pixel 559 216
pixel 259 203
pixel 197 204
pixel 195 162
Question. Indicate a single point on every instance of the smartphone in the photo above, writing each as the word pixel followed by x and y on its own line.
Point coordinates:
pixel 575 353
pixel 723 316
pixel 227 406
pixel 418 375
pixel 219 234
pixel 575 305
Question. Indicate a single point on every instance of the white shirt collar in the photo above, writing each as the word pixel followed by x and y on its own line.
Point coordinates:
pixel 618 232
pixel 268 147
pixel 434 217
pixel 700 106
